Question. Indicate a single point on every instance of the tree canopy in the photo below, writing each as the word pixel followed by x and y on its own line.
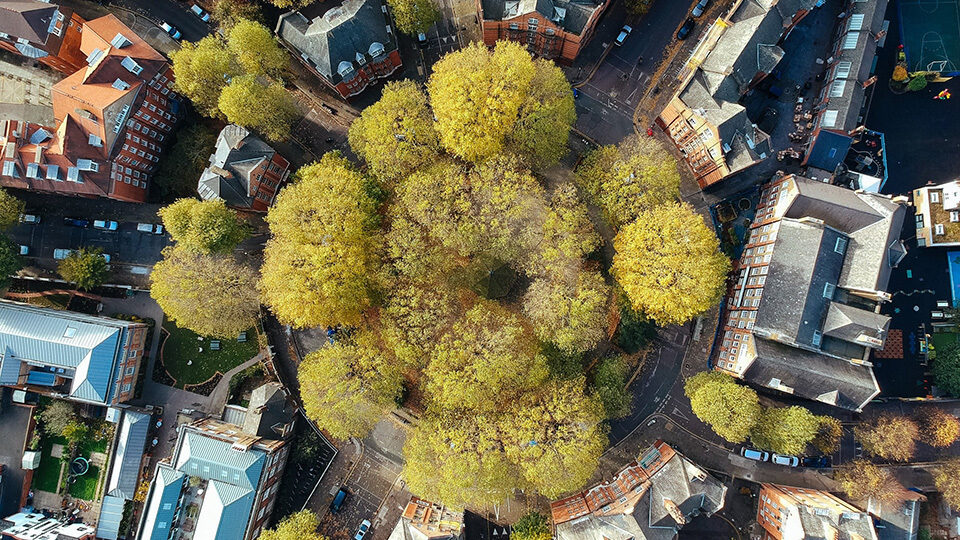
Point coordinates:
pixel 531 526
pixel 299 526
pixel 669 264
pixel 888 436
pixel 10 210
pixel 947 479
pixel 204 226
pixel 573 316
pixel 785 430
pixel 861 480
pixel 946 369
pixel 212 295
pixel 86 267
pixel 10 260
pixel 414 16
pixel 731 409
pixel 609 386
pixel 269 109
pixel 938 427
pixel 56 416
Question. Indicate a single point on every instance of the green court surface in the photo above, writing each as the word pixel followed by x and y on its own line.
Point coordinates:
pixel 930 32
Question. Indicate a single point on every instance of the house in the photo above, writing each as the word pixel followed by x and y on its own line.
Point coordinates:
pixel 47 32
pixel 112 118
pixel 849 71
pixel 789 513
pixel 222 480
pixel 649 499
pixel 803 315
pixel 704 119
pixel 350 46
pixel 898 519
pixel 124 474
pixel 424 520
pixel 244 171
pixel 82 358
pixel 29 526
pixel 938 214
pixel 552 29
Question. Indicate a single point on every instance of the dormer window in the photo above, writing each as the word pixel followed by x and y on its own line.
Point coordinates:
pixel 376 49
pixel 88 165
pixel 10 169
pixel 120 84
pixel 131 65
pixel 361 59
pixel 345 68
pixel 94 56
pixel 120 41
pixel 94 140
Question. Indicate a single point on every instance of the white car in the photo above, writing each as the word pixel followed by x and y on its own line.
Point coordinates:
pixel 170 29
pixel 698 9
pixel 29 218
pixel 150 228
pixel 199 12
pixel 364 527
pixel 756 455
pixel 788 461
pixel 105 225
pixel 624 33
pixel 24 250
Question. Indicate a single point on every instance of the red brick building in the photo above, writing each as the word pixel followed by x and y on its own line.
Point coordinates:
pixel 552 29
pixel 787 512
pixel 349 46
pixel 44 31
pixel 244 171
pixel 113 117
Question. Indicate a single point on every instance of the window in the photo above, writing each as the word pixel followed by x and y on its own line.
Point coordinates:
pixel 954 216
pixel 836 89
pixel 851 39
pixel 817 337
pixel 855 22
pixel 70 332
pixel 938 229
pixel 934 196
pixel 131 65
pixel 841 245
pixel 828 290
pixel 829 118
pixel 843 69
pixel 130 370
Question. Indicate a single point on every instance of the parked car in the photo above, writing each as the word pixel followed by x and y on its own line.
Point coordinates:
pixel 364 527
pixel 170 29
pixel 199 12
pixel 29 218
pixel 698 9
pixel 105 224
pixel 787 461
pixel 422 39
pixel 756 455
pixel 106 257
pixel 338 500
pixel 24 250
pixel 684 31
pixel 150 228
pixel 60 254
pixel 76 222
pixel 624 34
pixel 819 462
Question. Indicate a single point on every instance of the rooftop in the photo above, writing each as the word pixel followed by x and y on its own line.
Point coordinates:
pixel 424 520
pixel 238 158
pixel 570 15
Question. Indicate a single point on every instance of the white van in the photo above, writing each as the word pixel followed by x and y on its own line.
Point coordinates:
pixel 150 228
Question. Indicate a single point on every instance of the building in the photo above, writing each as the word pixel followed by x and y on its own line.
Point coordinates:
pixel 789 513
pixel 350 46
pixel 849 72
pixel 552 29
pixel 897 520
pixel 24 526
pixel 424 520
pixel 79 357
pixel 244 171
pixel 124 474
pixel 47 32
pixel 113 117
pixel 704 119
pixel 649 499
pixel 803 315
pixel 938 214
pixel 222 480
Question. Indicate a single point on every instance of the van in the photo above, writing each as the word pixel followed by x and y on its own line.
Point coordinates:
pixel 60 254
pixel 338 500
pixel 105 224
pixel 29 218
pixel 150 228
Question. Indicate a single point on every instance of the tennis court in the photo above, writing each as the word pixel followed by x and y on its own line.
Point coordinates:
pixel 930 33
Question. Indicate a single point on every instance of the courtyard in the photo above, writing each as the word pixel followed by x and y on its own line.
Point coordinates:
pixel 192 360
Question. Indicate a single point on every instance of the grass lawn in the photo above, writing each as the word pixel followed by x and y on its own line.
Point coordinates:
pixel 46 476
pixel 940 340
pixel 86 486
pixel 182 346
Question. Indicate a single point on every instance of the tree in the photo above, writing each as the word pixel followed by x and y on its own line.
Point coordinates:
pixel 204 226
pixel 416 316
pixel 531 526
pixel 75 431
pixel 947 479
pixel 567 237
pixel 828 436
pixel 861 480
pixel 256 50
pixel 86 267
pixel 938 427
pixel 669 264
pixel 917 83
pixel 624 180
pixel 946 369
pixel 488 356
pixel 785 430
pixel 888 436
pixel 56 416
pixel 899 73
pixel 395 135
pixel 572 315
pixel 202 70
pixel 346 387
pixel 414 16
pixel 486 101
pixel 299 526
pixel 731 409
pixel 209 294
pixel 178 172
pixel 10 210
pixel 320 262
pixel 10 261
pixel 269 109
pixel 230 12
pixel 610 386
pixel 638 7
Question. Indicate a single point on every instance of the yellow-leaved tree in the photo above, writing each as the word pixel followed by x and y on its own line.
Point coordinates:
pixel 299 526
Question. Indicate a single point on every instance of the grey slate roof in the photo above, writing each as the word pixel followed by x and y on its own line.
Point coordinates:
pixel 237 155
pixel 830 524
pixel 849 323
pixel 352 30
pixel 812 375
pixel 570 15
pixel 269 412
pixel 27 19
pixel 128 455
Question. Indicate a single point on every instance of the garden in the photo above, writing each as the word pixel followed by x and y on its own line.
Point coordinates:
pixel 73 451
pixel 191 359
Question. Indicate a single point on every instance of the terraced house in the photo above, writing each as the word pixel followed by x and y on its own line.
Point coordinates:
pixel 553 29
pixel 938 214
pixel 113 118
pixel 44 31
pixel 804 316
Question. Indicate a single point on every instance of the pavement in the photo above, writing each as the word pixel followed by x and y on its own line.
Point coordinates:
pixel 25 90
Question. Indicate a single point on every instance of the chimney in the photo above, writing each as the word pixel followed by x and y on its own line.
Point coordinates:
pixel 674 512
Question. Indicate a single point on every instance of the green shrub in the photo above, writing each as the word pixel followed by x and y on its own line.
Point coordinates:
pixel 917 83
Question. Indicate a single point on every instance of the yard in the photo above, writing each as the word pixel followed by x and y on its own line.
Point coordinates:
pixel 940 340
pixel 86 486
pixel 184 362
pixel 48 473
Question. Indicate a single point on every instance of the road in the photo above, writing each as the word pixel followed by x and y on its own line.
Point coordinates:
pixel 173 12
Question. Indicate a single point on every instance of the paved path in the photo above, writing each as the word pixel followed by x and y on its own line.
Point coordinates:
pixel 218 398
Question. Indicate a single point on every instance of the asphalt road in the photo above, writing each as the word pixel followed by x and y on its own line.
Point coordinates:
pixel 173 12
pixel 126 245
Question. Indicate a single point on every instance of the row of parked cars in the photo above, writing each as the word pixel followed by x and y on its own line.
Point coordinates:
pixel 172 30
pixel 818 462
pixel 682 34
pixel 102 224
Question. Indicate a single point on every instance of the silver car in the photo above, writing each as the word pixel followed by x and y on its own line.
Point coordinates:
pixel 698 9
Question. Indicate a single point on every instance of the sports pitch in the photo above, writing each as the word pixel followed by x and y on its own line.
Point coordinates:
pixel 930 33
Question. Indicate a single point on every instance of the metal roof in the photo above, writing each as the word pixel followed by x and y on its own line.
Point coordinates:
pixel 213 459
pixel 128 455
pixel 225 512
pixel 162 503
pixel 111 514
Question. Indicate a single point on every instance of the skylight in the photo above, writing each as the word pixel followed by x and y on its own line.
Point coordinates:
pixel 70 332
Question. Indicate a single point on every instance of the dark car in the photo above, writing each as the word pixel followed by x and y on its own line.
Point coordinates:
pixel 76 222
pixel 818 462
pixel 684 31
pixel 338 500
